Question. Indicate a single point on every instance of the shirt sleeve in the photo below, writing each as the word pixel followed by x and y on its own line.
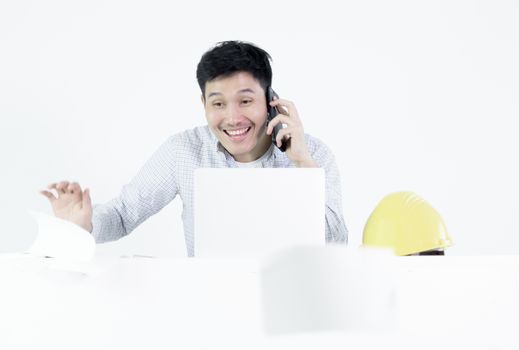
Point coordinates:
pixel 336 230
pixel 153 187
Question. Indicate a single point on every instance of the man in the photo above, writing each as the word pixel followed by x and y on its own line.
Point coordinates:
pixel 234 78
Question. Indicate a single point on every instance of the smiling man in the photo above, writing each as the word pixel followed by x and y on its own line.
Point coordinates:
pixel 236 112
pixel 234 78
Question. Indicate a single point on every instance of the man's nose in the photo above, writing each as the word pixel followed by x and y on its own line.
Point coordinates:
pixel 235 114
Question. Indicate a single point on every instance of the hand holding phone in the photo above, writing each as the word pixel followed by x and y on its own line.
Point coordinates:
pixel 272 113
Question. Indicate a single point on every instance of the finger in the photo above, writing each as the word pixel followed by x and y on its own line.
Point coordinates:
pixel 87 201
pixel 74 188
pixel 50 196
pixel 52 186
pixel 62 186
pixel 290 107
pixel 281 110
pixel 283 134
pixel 280 118
pixel 53 190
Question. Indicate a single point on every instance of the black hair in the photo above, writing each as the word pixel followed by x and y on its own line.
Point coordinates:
pixel 229 57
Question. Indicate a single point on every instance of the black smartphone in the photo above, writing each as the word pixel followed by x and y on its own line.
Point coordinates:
pixel 272 112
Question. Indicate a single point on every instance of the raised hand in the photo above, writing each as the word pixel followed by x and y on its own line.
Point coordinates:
pixel 71 203
pixel 297 150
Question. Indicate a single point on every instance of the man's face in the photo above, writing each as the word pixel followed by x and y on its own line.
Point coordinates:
pixel 236 112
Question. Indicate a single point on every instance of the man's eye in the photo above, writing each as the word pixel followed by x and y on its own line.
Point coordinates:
pixel 246 102
pixel 218 104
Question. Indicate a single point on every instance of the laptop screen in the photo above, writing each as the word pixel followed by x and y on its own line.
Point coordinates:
pixel 247 213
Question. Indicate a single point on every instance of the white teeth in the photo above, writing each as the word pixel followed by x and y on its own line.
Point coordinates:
pixel 237 132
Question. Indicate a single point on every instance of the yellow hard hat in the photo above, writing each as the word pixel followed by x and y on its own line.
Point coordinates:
pixel 407 223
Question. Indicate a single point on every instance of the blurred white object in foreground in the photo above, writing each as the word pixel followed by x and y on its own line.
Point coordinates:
pixel 328 288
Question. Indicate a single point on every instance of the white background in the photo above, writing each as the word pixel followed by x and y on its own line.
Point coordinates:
pixel 410 95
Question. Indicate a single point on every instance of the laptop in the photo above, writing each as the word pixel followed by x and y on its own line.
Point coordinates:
pixel 249 213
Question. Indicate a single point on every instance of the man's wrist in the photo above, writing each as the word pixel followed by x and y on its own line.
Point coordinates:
pixel 306 163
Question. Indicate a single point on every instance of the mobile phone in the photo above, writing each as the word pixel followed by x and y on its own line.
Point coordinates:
pixel 272 112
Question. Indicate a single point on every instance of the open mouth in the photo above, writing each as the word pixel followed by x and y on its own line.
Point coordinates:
pixel 237 134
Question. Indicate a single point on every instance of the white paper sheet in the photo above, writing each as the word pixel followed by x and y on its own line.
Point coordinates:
pixel 61 239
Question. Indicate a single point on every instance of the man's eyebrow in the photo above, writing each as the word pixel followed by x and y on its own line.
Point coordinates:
pixel 246 90
pixel 213 94
pixel 249 90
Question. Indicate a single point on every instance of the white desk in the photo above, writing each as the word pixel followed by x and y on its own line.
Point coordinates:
pixel 447 302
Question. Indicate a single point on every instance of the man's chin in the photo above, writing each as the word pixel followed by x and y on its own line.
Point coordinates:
pixel 238 151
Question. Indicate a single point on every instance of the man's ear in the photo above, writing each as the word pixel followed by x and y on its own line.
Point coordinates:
pixel 202 98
